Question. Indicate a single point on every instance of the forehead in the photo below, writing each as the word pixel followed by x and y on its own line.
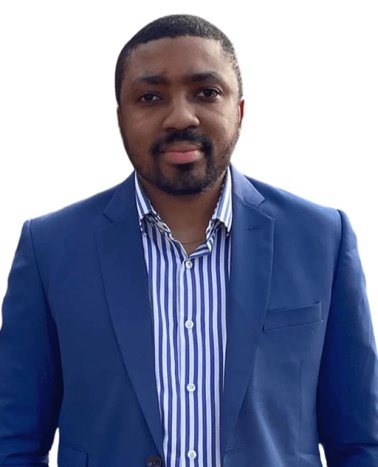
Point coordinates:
pixel 179 57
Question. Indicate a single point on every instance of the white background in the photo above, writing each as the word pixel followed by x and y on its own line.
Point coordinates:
pixel 310 74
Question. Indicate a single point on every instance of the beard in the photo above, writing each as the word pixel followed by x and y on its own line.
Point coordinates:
pixel 187 179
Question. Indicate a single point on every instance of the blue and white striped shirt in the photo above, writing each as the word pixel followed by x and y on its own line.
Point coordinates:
pixel 188 299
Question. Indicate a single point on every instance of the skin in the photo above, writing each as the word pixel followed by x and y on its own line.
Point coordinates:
pixel 180 116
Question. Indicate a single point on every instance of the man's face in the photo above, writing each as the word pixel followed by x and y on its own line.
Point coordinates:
pixel 180 113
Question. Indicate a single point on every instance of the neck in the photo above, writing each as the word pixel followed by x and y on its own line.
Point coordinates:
pixel 186 216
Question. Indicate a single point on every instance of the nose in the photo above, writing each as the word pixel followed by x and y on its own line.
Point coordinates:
pixel 180 115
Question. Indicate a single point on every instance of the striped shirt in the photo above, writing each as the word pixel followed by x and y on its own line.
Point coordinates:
pixel 188 299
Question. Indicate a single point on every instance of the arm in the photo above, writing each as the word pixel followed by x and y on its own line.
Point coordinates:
pixel 30 372
pixel 348 381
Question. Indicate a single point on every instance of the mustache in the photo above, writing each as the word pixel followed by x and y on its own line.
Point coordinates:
pixel 182 135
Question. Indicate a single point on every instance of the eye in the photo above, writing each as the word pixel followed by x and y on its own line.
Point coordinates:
pixel 148 97
pixel 208 93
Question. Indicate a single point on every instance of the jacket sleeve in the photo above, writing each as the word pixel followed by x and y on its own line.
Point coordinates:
pixel 30 369
pixel 348 380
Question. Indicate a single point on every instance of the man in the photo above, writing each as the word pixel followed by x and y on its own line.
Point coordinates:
pixel 190 316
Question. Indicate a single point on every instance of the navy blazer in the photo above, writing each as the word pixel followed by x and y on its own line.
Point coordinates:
pixel 76 347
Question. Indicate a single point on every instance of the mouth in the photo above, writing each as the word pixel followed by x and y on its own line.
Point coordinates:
pixel 182 153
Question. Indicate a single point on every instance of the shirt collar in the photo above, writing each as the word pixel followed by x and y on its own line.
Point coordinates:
pixel 222 212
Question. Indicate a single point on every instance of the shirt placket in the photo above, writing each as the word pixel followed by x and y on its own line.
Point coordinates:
pixel 188 362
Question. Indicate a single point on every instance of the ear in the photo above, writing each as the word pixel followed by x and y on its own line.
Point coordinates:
pixel 241 111
pixel 119 117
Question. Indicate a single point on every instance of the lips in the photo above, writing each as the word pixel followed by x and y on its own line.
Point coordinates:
pixel 182 153
pixel 182 146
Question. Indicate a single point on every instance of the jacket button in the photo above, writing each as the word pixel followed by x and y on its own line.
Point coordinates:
pixel 154 461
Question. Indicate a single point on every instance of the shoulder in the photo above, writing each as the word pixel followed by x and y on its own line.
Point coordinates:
pixel 289 208
pixel 86 214
pixel 300 225
pixel 69 233
pixel 307 233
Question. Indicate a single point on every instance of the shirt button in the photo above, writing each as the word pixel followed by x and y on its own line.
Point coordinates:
pixel 189 324
pixel 163 226
pixel 192 454
pixel 188 264
pixel 191 387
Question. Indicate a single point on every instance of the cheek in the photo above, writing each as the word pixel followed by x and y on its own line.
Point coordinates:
pixel 136 137
pixel 141 131
pixel 224 123
pixel 226 133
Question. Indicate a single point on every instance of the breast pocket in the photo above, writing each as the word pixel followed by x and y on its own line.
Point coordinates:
pixel 71 457
pixel 297 316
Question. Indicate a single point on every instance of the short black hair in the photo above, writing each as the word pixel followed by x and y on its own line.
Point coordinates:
pixel 176 26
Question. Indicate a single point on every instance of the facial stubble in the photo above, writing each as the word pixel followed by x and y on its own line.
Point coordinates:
pixel 184 179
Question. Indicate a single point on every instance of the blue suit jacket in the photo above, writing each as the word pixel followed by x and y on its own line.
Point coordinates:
pixel 76 347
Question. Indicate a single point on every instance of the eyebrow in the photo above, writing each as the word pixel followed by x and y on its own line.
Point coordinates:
pixel 190 78
pixel 205 76
pixel 151 79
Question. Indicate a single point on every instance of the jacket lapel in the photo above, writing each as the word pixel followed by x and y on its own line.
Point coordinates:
pixel 125 278
pixel 251 266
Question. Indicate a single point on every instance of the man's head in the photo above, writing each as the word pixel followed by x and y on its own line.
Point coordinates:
pixel 178 88
pixel 176 26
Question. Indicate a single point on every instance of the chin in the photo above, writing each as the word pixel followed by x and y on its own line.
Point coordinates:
pixel 188 187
